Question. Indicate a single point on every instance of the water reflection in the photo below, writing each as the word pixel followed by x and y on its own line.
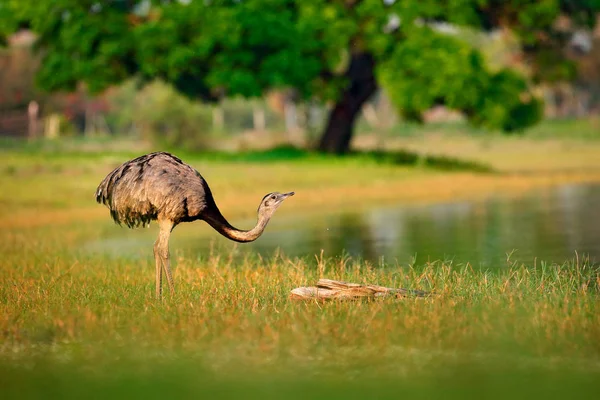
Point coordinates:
pixel 547 225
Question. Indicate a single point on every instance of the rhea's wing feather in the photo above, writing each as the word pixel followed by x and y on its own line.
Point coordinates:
pixel 158 183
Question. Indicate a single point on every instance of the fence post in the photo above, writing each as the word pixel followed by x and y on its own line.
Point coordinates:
pixel 32 112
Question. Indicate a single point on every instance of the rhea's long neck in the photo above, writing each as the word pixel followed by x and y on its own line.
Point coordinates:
pixel 220 224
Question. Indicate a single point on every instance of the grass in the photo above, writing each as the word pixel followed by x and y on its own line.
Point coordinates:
pixel 75 320
pixel 53 182
pixel 76 324
pixel 556 145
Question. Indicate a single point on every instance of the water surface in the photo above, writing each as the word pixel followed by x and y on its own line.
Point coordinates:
pixel 548 225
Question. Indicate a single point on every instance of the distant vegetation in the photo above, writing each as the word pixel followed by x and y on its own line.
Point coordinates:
pixel 325 51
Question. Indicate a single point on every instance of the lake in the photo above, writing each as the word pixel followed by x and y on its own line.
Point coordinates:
pixel 548 225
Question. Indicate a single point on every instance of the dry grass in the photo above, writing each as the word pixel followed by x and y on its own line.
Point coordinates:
pixel 73 323
pixel 62 309
pixel 505 154
pixel 41 188
pixel 55 297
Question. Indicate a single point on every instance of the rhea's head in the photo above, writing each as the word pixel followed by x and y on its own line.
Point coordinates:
pixel 271 202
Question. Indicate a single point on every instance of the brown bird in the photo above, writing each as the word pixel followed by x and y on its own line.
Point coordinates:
pixel 161 187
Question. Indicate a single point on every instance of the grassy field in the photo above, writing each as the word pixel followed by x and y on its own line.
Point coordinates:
pixel 76 324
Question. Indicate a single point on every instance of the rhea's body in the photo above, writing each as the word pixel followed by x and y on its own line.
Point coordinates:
pixel 161 187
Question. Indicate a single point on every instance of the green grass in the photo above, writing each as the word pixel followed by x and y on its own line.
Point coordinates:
pixel 75 323
pixel 78 322
pixel 189 380
pixel 585 129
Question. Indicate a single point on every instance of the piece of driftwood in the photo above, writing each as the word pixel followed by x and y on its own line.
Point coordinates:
pixel 328 289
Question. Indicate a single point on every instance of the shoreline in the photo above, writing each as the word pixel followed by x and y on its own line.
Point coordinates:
pixel 437 187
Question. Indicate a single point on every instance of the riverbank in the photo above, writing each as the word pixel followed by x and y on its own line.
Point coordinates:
pixel 54 186
pixel 76 323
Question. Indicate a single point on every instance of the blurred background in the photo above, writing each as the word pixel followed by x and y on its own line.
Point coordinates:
pixel 441 145
pixel 199 74
pixel 505 87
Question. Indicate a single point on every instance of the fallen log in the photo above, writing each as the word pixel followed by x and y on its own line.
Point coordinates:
pixel 328 289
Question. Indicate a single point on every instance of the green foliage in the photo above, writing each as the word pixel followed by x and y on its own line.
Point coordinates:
pixel 237 49
pixel 454 74
pixel 167 118
pixel 7 19
pixel 81 41
pixel 505 104
pixel 210 49
pixel 450 72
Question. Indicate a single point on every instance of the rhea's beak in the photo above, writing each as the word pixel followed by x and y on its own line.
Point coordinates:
pixel 281 197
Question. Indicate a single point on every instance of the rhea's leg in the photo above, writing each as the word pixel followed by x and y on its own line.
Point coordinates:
pixel 158 261
pixel 166 227
pixel 167 267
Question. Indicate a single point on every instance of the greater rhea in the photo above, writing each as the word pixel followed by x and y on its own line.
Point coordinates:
pixel 161 187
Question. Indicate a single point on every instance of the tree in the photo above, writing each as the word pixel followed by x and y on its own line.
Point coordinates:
pixel 340 51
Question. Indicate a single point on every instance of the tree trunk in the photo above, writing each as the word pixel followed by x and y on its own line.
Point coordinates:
pixel 361 86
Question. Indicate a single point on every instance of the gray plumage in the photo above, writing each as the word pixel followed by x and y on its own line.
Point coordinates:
pixel 140 189
pixel 161 187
